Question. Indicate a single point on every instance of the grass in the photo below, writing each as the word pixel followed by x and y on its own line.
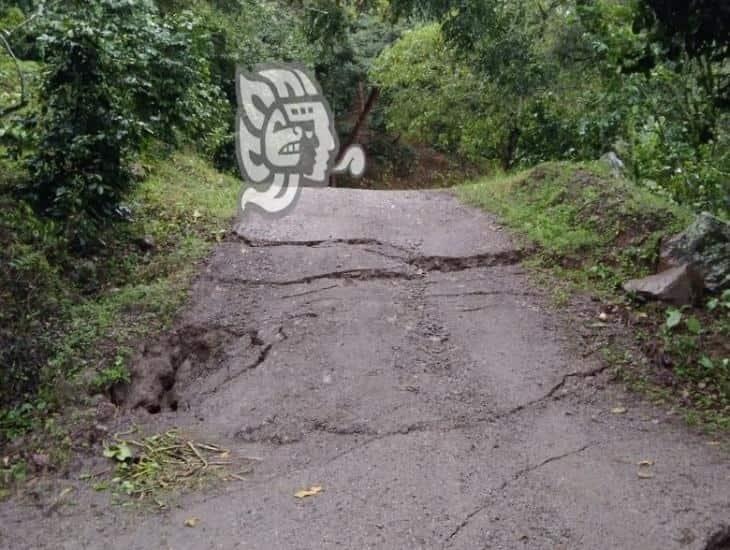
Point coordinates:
pixel 90 313
pixel 578 215
pixel 591 233
pixel 186 207
pixel 69 324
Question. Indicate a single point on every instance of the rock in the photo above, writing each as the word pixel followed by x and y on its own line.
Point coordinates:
pixel 706 245
pixel 147 243
pixel 680 286
pixel 124 213
pixel 615 164
pixel 137 171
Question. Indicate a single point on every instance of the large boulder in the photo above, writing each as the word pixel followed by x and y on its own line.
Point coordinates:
pixel 705 244
pixel 680 286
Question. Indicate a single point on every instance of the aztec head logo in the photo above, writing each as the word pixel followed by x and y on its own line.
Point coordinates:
pixel 286 137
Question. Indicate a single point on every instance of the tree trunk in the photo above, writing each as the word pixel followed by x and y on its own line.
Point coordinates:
pixel 364 112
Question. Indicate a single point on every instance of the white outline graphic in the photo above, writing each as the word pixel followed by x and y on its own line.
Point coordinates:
pixel 286 138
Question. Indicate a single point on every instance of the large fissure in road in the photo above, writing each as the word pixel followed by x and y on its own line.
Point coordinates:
pixel 389 348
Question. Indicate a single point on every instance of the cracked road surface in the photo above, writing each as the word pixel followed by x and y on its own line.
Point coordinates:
pixel 389 347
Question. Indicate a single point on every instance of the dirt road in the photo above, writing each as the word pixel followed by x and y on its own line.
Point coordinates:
pixel 389 347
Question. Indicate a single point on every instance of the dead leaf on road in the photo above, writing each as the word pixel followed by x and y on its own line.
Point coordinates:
pixel 192 522
pixel 644 471
pixel 619 410
pixel 312 491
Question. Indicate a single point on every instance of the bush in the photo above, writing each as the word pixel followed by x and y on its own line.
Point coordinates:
pixel 117 72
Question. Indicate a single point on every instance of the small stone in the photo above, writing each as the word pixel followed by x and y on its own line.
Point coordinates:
pixel 192 522
pixel 146 243
pixel 137 171
pixel 40 461
pixel 105 410
pixel 124 212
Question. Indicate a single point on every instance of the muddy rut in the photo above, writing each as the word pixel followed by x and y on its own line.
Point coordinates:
pixel 389 347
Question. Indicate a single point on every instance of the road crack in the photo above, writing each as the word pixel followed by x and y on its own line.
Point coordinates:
pixel 482 293
pixel 516 476
pixel 357 274
pixel 265 243
pixel 447 264
pixel 556 387
pixel 425 263
pixel 308 292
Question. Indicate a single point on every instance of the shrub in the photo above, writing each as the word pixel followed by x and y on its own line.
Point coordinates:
pixel 117 72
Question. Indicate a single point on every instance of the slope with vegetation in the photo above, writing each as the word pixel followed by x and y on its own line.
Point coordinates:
pixel 523 82
pixel 117 174
pixel 591 232
pixel 117 164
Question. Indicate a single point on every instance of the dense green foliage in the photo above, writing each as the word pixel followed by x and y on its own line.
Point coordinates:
pixel 571 80
pixel 107 87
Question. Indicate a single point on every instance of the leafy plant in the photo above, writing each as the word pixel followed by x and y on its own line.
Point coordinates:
pixel 112 375
pixel 721 303
pixel 117 72
pixel 21 419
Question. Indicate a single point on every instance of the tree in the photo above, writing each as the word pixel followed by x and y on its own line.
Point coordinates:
pixel 117 72
pixel 700 28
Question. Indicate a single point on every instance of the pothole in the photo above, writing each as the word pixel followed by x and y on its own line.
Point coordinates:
pixel 155 371
pixel 720 540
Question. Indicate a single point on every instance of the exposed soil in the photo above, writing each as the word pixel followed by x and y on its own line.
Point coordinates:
pixel 389 347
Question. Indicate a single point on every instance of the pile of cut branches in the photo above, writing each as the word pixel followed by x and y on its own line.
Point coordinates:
pixel 168 461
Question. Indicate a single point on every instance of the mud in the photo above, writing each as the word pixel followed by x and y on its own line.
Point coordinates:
pixel 389 347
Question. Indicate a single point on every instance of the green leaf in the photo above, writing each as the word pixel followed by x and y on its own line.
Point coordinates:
pixel 706 362
pixel 120 452
pixel 674 317
pixel 693 325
